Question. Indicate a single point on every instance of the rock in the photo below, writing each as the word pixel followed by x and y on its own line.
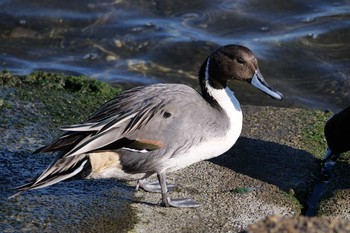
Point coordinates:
pixel 299 224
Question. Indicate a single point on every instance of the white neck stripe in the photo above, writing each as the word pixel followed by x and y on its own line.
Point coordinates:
pixel 207 70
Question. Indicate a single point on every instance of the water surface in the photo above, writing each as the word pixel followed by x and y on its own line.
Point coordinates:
pixel 302 46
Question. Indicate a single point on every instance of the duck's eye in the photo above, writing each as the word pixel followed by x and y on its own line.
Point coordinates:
pixel 240 60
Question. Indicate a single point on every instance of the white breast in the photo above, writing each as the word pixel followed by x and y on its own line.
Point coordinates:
pixel 215 146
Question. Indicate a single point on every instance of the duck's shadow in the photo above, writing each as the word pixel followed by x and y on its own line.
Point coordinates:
pixel 286 167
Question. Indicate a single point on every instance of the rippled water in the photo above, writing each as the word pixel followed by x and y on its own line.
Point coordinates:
pixel 302 46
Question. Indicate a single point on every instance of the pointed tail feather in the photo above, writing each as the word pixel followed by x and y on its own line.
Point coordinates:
pixel 64 143
pixel 62 169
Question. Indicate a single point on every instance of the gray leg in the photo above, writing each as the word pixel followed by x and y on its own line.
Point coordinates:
pixel 153 187
pixel 167 201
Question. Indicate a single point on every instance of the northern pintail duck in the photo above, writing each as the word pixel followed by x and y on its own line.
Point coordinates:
pixel 157 129
pixel 337 133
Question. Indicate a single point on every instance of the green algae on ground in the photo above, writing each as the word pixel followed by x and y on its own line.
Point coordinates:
pixel 67 99
pixel 291 196
pixel 53 81
pixel 313 139
pixel 4 104
pixel 242 190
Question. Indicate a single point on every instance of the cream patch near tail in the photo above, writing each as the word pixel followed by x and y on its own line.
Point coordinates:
pixel 106 164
